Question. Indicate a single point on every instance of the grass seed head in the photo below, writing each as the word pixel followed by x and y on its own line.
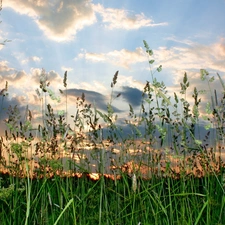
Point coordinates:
pixel 134 183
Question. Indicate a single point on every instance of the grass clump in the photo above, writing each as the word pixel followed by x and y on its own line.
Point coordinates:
pixel 164 170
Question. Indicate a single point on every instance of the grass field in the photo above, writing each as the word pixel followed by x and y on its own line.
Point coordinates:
pixel 165 166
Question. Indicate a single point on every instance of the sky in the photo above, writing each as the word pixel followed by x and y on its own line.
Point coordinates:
pixel 91 40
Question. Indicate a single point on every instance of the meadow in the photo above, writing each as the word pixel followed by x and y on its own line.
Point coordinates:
pixel 162 164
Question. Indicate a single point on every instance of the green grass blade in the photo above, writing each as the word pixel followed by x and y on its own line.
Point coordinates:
pixel 67 205
pixel 200 213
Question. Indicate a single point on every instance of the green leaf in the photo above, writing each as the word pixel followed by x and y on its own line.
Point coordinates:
pixel 161 94
pixel 211 79
pixel 150 52
pixel 208 126
pixel 159 69
pixel 176 98
pixel 200 213
pixel 208 108
pixel 151 61
pixel 61 112
pixel 146 44
pixel 67 205
pixel 203 73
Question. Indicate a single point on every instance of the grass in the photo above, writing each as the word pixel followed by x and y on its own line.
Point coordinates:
pixel 81 200
pixel 164 170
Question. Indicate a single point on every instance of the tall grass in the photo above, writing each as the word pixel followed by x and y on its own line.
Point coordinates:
pixel 162 171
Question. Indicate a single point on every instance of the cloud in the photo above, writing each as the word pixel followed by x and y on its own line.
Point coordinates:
pixel 95 57
pixel 206 89
pixel 17 80
pixel 68 69
pixel 92 97
pixel 188 56
pixel 123 19
pixel 31 59
pixel 3 39
pixel 4 69
pixel 21 83
pixel 124 58
pixel 183 41
pixel 2 43
pixel 24 84
pixel 60 20
pixel 22 89
pixel 7 102
pixel 191 58
pixel 132 95
pixel 53 77
pixel 23 59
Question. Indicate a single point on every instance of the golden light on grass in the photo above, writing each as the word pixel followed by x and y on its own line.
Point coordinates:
pixel 94 176
pixel 128 157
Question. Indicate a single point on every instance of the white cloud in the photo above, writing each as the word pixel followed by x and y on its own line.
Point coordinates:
pixel 96 57
pixel 68 69
pixel 53 77
pixel 124 19
pixel 35 58
pixel 124 58
pixel 23 59
pixel 190 59
pixel 184 41
pixel 130 82
pixel 24 83
pixel 31 59
pixel 5 69
pixel 60 20
pixel 193 57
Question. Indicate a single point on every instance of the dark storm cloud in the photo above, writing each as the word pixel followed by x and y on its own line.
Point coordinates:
pixel 92 97
pixel 132 95
pixel 6 103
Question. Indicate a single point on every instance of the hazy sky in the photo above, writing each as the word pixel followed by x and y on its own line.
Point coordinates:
pixel 94 39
